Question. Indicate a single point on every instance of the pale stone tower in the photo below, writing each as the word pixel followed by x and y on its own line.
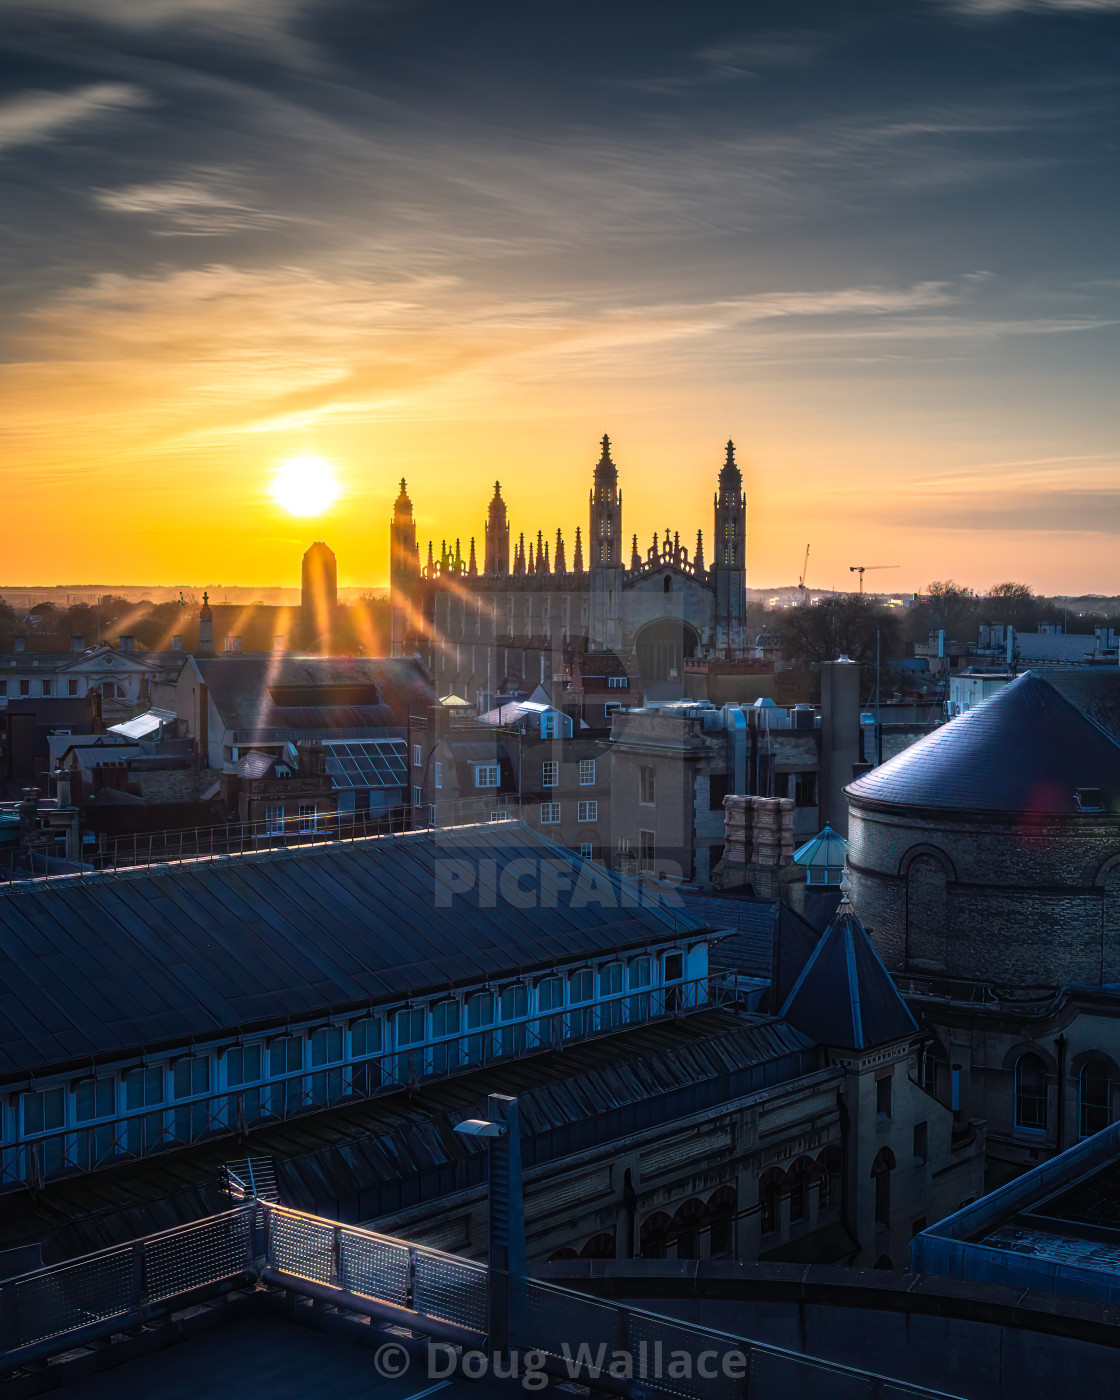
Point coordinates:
pixel 497 536
pixel 729 564
pixel 605 544
pixel 404 572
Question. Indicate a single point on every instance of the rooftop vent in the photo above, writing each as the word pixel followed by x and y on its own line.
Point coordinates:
pixel 1089 799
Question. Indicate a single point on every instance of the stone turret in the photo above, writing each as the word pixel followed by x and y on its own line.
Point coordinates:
pixel 404 571
pixel 729 563
pixel 497 536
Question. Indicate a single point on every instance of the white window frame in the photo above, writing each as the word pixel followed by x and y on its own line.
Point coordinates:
pixel 548 724
pixel 550 773
pixel 274 818
pixel 587 811
pixel 309 811
pixel 487 775
pixel 499 814
pixel 587 772
pixel 417 756
pixel 550 814
pixel 437 771
pixel 586 850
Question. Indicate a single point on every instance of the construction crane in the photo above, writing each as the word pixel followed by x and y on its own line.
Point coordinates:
pixel 804 574
pixel 861 569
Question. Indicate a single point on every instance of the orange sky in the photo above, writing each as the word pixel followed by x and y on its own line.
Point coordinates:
pixel 146 416
pixel 875 249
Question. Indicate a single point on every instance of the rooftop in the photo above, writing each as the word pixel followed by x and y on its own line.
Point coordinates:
pixel 1032 747
pixel 116 962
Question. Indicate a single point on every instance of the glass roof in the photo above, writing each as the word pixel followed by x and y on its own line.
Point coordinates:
pixel 367 763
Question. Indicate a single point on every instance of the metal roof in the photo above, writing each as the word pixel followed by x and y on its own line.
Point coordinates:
pixel 249 692
pixel 1028 748
pixel 827 850
pixel 110 964
pixel 141 726
pixel 844 995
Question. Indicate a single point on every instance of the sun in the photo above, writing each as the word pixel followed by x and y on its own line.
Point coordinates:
pixel 305 485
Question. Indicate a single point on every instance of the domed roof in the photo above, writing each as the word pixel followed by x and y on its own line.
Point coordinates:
pixel 1044 743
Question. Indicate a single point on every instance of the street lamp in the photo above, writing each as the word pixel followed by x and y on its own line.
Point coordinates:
pixel 502 1134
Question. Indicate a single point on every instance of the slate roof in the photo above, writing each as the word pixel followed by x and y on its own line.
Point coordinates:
pixel 795 941
pixel 242 687
pixel 110 964
pixel 844 995
pixel 748 947
pixel 1028 748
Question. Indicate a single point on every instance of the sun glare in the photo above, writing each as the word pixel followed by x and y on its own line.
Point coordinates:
pixel 305 485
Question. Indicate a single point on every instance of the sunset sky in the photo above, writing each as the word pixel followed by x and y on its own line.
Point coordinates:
pixel 455 240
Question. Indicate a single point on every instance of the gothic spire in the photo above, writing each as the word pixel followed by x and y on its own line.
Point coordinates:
pixel 698 561
pixel 540 553
pixel 546 567
pixel 530 567
pixel 635 557
pixel 519 556
pixel 402 509
pixel 558 559
pixel 577 559
pixel 431 561
pixel 472 567
pixel 458 563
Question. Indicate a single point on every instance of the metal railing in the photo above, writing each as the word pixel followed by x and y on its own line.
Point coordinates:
pixel 431 1293
pixel 143 850
pixel 55 1308
pixel 212 1114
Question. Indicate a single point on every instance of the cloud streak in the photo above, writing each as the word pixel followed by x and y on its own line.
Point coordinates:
pixel 41 116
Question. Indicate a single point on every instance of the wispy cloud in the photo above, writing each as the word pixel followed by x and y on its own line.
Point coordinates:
pixel 206 205
pixel 40 116
pixel 996 8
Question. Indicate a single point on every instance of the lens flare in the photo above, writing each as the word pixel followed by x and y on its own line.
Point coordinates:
pixel 305 485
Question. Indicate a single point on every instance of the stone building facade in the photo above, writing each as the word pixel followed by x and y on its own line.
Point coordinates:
pixel 485 630
pixel 985 863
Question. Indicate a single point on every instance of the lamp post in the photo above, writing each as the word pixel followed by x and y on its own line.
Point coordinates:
pixel 502 1133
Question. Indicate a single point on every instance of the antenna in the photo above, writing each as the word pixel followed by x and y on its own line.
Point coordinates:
pixel 861 569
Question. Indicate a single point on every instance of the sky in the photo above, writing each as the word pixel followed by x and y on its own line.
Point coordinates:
pixel 458 240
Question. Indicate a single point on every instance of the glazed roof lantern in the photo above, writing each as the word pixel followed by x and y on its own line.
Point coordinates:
pixel 823 858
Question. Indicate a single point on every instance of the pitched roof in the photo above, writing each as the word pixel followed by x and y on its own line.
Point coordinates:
pixel 795 940
pixel 827 850
pixel 164 955
pixel 1028 748
pixel 844 995
pixel 275 696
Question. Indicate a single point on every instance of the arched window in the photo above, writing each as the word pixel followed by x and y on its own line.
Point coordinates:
pixel 550 1001
pixel 720 1214
pixel 1096 1091
pixel 480 1012
pixel 1030 1093
pixel 599 1246
pixel 654 1235
pixel 799 1190
pixel 445 1021
pixel 686 1226
pixel 581 988
pixel 881 1175
pixel 513 1004
pixel 828 1178
pixel 326 1049
pixel 770 1201
pixel 610 984
pixel 365 1039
